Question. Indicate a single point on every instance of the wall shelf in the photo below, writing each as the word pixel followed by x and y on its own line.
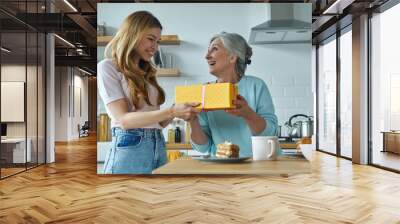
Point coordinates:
pixel 167 72
pixel 170 40
pixel 165 40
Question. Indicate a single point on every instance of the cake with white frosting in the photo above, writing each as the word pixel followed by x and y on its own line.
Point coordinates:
pixel 227 150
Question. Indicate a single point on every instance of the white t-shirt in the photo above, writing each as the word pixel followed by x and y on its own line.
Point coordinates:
pixel 112 86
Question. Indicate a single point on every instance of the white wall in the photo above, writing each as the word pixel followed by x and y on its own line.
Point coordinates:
pixel 14 72
pixel 33 126
pixel 61 103
pixel 81 81
pixel 17 73
pixel 67 81
pixel 286 68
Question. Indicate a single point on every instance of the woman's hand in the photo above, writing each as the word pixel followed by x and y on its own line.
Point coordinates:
pixel 256 123
pixel 185 111
pixel 242 108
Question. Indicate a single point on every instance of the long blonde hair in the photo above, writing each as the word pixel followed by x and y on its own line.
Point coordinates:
pixel 122 50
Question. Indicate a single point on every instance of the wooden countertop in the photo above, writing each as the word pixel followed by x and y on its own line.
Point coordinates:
pixel 284 165
pixel 177 146
pixel 287 145
pixel 188 146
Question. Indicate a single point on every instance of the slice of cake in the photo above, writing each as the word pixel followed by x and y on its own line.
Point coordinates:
pixel 227 150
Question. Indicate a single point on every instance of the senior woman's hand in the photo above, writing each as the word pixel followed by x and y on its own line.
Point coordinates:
pixel 185 111
pixel 256 123
pixel 242 108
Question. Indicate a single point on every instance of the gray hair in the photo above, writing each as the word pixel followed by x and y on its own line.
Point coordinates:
pixel 237 45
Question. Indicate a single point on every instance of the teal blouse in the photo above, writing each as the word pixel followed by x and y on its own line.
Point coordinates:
pixel 220 126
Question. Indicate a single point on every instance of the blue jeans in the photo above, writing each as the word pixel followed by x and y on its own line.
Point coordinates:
pixel 135 151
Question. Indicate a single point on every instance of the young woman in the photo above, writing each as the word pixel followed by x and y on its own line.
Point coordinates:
pixel 132 96
pixel 228 56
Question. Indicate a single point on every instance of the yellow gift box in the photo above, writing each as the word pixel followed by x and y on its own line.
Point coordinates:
pixel 210 96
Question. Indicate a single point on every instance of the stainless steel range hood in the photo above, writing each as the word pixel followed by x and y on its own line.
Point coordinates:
pixel 282 28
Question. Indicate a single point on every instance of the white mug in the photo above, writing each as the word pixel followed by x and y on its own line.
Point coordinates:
pixel 264 147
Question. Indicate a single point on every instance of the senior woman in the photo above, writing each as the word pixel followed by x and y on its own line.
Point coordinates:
pixel 228 56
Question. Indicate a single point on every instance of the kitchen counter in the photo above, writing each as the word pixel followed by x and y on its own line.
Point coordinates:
pixel 288 145
pixel 177 146
pixel 188 146
pixel 284 165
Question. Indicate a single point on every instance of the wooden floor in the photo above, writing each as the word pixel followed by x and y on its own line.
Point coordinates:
pixel 5 172
pixel 70 191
